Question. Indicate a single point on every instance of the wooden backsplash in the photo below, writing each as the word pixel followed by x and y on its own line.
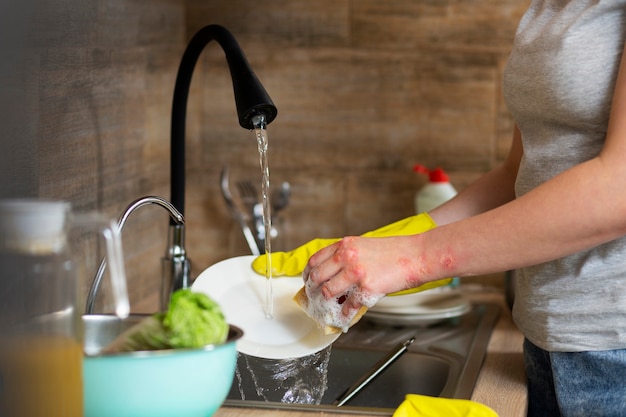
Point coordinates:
pixel 364 90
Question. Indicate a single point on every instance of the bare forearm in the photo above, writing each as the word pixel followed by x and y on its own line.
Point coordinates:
pixel 552 221
pixel 488 192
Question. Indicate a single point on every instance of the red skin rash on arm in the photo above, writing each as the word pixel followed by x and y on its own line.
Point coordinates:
pixel 447 260
pixel 415 270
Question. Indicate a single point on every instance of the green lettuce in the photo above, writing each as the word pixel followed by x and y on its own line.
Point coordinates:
pixel 192 320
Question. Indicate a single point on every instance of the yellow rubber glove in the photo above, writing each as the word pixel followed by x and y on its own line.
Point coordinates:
pixel 422 406
pixel 292 263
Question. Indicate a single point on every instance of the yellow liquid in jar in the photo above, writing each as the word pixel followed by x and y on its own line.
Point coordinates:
pixel 41 377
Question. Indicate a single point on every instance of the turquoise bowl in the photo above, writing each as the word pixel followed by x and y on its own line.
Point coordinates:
pixel 164 383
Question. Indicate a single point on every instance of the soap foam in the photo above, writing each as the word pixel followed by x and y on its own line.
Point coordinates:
pixel 329 312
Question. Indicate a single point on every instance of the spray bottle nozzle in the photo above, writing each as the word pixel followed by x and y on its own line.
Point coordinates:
pixel 435 175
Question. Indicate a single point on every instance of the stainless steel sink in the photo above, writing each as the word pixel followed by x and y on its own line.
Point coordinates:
pixel 444 361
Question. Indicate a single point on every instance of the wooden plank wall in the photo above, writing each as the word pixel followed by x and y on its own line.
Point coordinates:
pixel 364 90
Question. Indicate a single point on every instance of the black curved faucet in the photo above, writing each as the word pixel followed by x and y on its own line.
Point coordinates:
pixel 251 101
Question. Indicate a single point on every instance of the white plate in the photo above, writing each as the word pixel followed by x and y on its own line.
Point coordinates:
pixel 424 319
pixel 240 292
pixel 436 301
pixel 414 298
pixel 421 309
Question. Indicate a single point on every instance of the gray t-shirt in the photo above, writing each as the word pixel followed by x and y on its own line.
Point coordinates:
pixel 558 85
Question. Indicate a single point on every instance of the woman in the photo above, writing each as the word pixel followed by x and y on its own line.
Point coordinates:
pixel 555 211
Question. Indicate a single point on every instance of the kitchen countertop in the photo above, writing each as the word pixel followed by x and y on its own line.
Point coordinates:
pixel 501 383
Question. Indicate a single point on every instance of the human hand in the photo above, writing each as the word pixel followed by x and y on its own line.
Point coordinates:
pixel 358 271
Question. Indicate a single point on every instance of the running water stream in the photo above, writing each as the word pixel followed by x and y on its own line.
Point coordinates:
pixel 261 137
pixel 298 380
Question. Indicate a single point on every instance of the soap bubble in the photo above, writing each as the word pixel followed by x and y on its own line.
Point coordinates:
pixel 329 312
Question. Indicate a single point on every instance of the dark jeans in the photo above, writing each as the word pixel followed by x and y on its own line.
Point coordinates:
pixel 575 384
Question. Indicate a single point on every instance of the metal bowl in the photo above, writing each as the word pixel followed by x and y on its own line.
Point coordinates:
pixel 163 383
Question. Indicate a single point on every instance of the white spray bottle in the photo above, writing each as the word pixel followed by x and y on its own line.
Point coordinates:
pixel 437 191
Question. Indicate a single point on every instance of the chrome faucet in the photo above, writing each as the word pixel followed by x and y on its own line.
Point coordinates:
pixel 252 102
pixel 175 215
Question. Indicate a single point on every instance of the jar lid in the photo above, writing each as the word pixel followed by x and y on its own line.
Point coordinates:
pixel 33 226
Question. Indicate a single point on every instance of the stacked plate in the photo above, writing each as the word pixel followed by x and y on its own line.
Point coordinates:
pixel 419 309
